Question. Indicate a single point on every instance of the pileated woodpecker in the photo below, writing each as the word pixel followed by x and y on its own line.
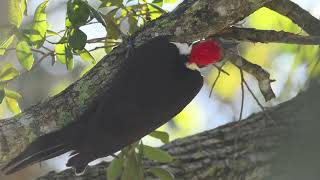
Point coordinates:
pixel 158 80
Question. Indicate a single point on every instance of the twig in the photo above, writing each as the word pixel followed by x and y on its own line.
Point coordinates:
pixel 255 70
pixel 214 83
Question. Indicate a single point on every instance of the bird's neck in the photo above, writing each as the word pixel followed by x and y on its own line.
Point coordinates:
pixel 184 48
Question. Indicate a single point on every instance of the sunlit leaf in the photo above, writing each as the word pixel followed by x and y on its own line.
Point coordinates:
pixel 24 7
pixel 163 174
pixel 12 94
pixel 86 56
pixel 60 53
pixel 163 136
pixel 157 154
pixel 40 24
pixel 13 105
pixel 77 39
pixel 170 1
pixel 15 13
pixel 108 3
pixel 2 93
pixel 24 55
pixel 8 72
pixel 115 168
pixel 5 44
pixel 112 31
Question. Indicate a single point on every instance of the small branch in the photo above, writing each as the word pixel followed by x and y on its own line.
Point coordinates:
pixel 260 74
pixel 268 36
pixel 298 15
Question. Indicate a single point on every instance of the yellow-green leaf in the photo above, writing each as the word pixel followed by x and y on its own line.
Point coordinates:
pixel 24 7
pixel 2 93
pixel 15 14
pixel 86 56
pixel 13 105
pixel 156 154
pixel 12 94
pixel 115 169
pixel 163 136
pixel 24 55
pixel 5 44
pixel 60 53
pixel 163 174
pixel 40 24
pixel 8 72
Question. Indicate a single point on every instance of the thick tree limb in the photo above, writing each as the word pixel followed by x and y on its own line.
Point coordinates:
pixel 268 36
pixel 252 149
pixel 193 19
pixel 298 15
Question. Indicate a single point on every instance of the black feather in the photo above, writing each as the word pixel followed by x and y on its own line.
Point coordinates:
pixel 151 87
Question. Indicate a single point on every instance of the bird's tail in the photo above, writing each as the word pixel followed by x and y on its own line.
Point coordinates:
pixel 43 148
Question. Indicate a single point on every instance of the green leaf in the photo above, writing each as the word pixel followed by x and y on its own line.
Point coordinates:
pixel 133 22
pixel 86 56
pixel 158 2
pixel 170 1
pixel 77 12
pixel 69 58
pixel 60 53
pixel 12 94
pixel 5 44
pixel 163 136
pixel 115 169
pixel 132 168
pixel 24 7
pixel 2 93
pixel 108 3
pixel 112 31
pixel 97 15
pixel 163 174
pixel 40 24
pixel 157 154
pixel 13 105
pixel 77 39
pixel 8 72
pixel 15 12
pixel 24 55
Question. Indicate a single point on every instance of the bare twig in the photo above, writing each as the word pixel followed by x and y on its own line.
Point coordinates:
pixel 257 71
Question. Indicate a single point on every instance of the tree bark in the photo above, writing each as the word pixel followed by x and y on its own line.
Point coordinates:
pixel 258 148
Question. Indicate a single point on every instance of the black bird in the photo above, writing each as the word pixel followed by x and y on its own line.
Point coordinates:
pixel 157 81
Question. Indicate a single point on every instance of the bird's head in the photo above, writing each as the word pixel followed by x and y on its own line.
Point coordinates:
pixel 202 53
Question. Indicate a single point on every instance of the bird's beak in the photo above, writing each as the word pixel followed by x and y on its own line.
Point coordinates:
pixel 193 66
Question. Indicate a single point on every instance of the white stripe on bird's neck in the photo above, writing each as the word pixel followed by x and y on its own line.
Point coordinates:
pixel 184 48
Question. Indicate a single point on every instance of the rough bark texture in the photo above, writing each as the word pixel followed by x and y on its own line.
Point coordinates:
pixel 253 149
pixel 53 113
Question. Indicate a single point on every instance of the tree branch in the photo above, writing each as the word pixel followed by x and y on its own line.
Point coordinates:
pixel 268 36
pixel 193 19
pixel 260 142
pixel 298 15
